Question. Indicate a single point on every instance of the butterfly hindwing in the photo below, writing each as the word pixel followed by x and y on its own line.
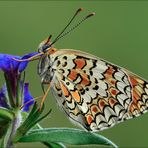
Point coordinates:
pixel 94 92
pixel 139 104
pixel 67 103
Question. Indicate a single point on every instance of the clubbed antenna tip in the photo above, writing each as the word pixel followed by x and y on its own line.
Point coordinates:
pixel 90 15
pixel 48 40
pixel 80 9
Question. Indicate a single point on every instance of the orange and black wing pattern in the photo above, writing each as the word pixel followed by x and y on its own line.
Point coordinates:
pixel 95 93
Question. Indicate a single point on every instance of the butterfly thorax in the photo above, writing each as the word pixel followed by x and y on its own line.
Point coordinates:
pixel 45 70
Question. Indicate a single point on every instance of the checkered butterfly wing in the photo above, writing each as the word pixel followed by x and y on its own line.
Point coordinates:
pixel 95 93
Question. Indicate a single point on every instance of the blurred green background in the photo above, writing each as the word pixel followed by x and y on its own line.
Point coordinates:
pixel 117 33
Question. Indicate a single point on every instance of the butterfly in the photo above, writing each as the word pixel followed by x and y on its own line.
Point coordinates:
pixel 93 93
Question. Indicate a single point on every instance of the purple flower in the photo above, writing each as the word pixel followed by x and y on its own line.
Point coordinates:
pixel 27 99
pixel 8 64
pixel 3 98
pixel 12 70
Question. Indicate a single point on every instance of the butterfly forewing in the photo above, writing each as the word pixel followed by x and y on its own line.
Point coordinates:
pixel 93 92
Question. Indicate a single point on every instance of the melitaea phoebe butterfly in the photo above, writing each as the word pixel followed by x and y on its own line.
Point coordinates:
pixel 91 91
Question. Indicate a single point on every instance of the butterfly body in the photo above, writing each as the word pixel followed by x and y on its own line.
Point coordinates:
pixel 91 91
pixel 45 69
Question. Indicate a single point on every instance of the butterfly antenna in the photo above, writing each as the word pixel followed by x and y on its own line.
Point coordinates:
pixel 48 40
pixel 76 13
pixel 44 97
pixel 82 20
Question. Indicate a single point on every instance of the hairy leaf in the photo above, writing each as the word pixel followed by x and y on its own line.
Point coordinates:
pixel 67 136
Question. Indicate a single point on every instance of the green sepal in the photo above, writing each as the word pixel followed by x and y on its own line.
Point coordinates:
pixel 19 89
pixel 9 90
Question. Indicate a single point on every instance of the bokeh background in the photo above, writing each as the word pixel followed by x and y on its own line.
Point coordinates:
pixel 118 33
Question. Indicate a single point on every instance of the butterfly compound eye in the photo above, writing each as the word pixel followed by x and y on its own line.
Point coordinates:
pixel 44 48
pixel 45 45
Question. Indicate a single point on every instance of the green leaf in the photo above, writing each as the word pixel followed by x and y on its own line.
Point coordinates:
pixel 54 145
pixel 5 117
pixel 6 114
pixel 6 142
pixel 24 116
pixel 30 120
pixel 50 145
pixel 37 126
pixel 67 136
pixel 4 124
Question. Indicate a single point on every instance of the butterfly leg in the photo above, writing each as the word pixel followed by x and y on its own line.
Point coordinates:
pixel 31 100
pixel 44 97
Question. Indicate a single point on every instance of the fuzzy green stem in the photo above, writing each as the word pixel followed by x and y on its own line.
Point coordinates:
pixel 8 138
pixel 7 142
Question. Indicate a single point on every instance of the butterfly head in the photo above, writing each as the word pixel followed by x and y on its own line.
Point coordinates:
pixel 45 45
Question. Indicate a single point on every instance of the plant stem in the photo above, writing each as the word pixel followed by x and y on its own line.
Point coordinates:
pixel 14 124
pixel 6 139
